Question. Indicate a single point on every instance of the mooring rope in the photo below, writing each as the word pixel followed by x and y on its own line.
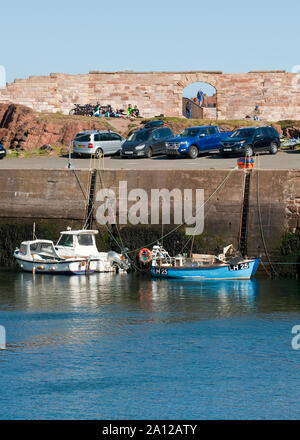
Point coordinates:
pixel 260 225
pixel 190 218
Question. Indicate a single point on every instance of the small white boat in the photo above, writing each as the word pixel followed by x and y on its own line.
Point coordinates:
pixel 40 256
pixel 81 243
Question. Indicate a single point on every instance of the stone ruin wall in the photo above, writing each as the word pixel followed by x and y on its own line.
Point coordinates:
pixel 276 92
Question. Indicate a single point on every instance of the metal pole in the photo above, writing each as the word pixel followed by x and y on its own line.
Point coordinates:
pixel 69 160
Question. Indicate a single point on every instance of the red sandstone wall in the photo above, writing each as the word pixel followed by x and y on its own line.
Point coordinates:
pixel 155 93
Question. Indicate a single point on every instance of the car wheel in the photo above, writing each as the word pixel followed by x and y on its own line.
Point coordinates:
pixel 148 153
pixel 223 155
pixel 273 148
pixel 193 152
pixel 249 151
pixel 99 153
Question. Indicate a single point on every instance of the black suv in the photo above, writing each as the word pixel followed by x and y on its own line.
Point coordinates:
pixel 146 142
pixel 251 140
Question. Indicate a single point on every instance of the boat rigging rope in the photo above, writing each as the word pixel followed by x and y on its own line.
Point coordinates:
pixel 193 236
pixel 103 186
pixel 121 246
pixel 86 197
pixel 81 187
pixel 190 218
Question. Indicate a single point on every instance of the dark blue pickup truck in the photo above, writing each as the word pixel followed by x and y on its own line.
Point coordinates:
pixel 194 140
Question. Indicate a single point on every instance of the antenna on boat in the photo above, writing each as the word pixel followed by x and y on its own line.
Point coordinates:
pixel 33 232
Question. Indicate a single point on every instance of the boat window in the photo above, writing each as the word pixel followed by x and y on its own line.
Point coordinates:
pixel 47 247
pixel 23 249
pixel 33 247
pixel 85 240
pixel 65 240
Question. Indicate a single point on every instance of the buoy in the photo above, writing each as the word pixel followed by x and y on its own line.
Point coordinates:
pixel 245 162
pixel 145 255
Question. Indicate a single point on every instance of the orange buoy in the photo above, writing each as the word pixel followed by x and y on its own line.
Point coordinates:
pixel 245 162
pixel 145 255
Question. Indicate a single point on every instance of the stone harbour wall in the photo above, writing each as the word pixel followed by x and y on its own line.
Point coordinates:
pixel 276 92
pixel 274 201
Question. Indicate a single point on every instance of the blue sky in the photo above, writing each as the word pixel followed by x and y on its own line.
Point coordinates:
pixel 78 36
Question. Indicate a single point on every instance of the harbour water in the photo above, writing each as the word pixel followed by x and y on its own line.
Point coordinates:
pixel 128 347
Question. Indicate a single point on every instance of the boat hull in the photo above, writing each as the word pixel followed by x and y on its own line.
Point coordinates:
pixel 103 263
pixel 61 267
pixel 241 271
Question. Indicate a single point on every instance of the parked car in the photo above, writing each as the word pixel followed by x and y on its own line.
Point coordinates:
pixel 87 143
pixel 194 140
pixel 249 140
pixel 146 142
pixel 2 151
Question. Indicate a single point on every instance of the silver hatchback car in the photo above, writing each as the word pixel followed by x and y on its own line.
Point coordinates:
pixel 98 143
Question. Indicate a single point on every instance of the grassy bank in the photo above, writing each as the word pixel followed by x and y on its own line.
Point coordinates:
pixel 31 134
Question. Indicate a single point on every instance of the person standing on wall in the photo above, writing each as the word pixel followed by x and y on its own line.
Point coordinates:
pixel 200 97
pixel 256 114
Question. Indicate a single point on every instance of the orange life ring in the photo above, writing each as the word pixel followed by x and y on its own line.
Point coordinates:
pixel 145 255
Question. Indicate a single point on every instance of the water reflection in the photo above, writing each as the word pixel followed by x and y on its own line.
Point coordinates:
pixel 100 289
pixel 105 335
pixel 63 309
pixel 222 298
pixel 140 293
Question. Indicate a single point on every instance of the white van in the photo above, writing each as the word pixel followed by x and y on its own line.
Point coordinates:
pixel 98 143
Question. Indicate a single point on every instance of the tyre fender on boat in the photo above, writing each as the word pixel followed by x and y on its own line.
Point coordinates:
pixel 145 255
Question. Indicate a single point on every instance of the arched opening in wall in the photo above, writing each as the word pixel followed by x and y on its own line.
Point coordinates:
pixel 199 101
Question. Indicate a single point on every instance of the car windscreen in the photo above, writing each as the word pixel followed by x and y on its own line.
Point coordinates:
pixel 190 132
pixel 139 136
pixel 243 133
pixel 82 137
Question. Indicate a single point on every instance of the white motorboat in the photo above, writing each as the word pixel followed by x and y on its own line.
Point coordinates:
pixel 81 243
pixel 40 256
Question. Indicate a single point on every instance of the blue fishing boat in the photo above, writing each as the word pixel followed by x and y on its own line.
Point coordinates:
pixel 224 266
